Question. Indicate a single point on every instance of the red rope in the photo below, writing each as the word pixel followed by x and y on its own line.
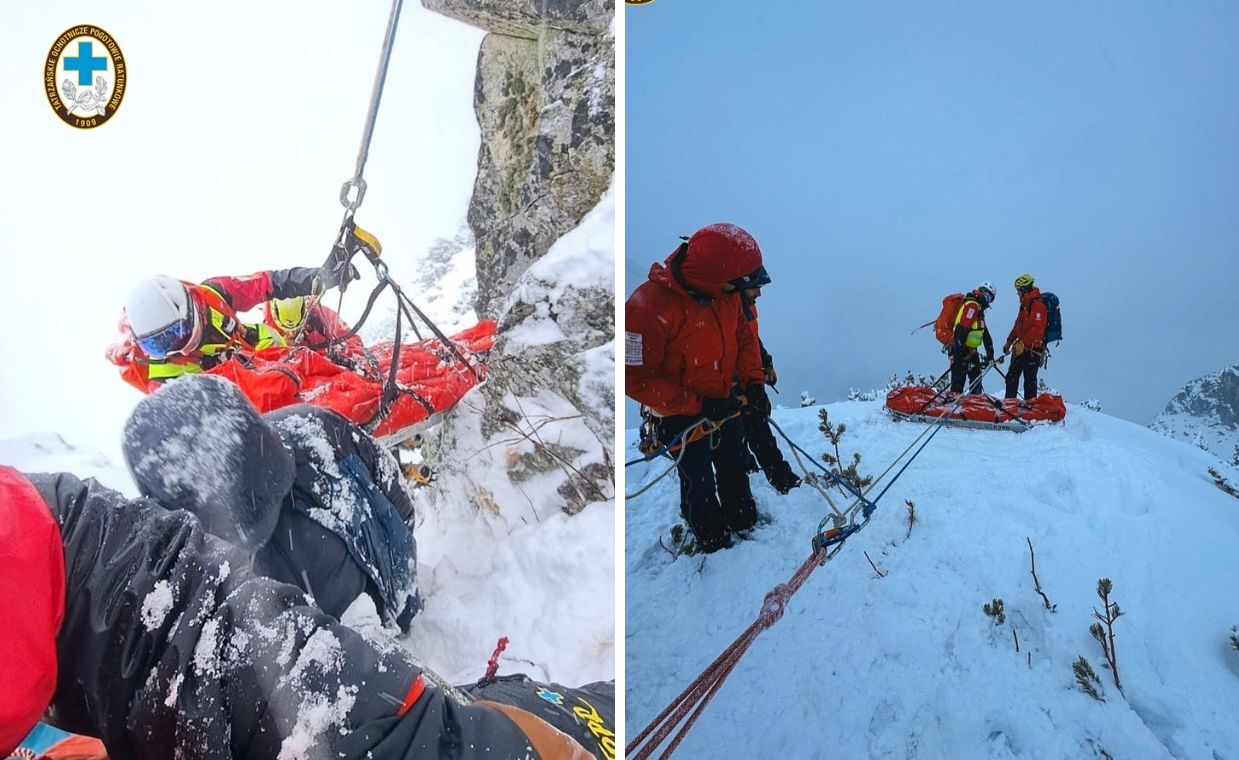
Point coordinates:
pixel 699 693
pixel 492 665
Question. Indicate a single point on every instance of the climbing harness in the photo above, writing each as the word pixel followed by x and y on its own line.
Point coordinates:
pixel 832 532
pixel 675 448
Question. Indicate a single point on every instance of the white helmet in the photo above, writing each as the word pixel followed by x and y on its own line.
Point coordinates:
pixel 160 306
pixel 988 290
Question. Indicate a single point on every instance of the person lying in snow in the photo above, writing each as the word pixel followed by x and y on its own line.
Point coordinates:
pixel 128 622
pixel 314 498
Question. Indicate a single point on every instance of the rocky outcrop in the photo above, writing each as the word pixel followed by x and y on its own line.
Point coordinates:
pixel 1205 413
pixel 545 100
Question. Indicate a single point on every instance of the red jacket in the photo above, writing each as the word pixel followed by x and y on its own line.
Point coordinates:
pixel 32 603
pixel 681 348
pixel 1030 321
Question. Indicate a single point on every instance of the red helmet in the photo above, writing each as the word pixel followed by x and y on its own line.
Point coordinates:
pixel 717 254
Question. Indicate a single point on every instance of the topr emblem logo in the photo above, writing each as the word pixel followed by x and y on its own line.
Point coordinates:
pixel 553 697
pixel 84 76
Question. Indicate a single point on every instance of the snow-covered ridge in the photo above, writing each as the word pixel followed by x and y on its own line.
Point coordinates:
pixel 908 665
pixel 1205 413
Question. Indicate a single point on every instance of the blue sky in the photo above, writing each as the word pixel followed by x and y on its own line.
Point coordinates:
pixel 886 154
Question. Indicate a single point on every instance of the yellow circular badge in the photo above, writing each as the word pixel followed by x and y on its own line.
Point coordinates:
pixel 84 76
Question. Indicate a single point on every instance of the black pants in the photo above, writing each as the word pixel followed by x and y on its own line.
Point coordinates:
pixel 1026 364
pixel 714 483
pixel 966 362
pixel 759 439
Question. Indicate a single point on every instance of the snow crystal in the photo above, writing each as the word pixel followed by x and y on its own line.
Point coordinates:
pixel 206 651
pixel 174 690
pixel 320 657
pixel 156 605
pixel 309 434
pixel 317 715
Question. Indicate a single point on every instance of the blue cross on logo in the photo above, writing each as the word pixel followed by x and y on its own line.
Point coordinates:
pixel 553 697
pixel 85 64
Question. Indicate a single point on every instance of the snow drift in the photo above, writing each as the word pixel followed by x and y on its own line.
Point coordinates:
pixel 908 665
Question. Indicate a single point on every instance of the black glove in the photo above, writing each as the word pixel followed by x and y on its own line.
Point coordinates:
pixel 782 478
pixel 757 399
pixel 301 281
pixel 338 270
pixel 719 409
pixel 989 358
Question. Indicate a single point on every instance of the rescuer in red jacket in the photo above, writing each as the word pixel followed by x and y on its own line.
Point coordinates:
pixel 687 343
pixel 179 328
pixel 1026 343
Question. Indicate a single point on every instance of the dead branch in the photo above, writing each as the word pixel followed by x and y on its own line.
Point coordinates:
pixel 1037 583
pixel 875 567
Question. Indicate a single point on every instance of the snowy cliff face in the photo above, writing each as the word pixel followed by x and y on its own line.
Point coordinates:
pixel 523 506
pixel 1205 413
pixel 545 101
pixel 542 218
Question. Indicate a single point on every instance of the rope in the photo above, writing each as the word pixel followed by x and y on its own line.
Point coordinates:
pixel 356 182
pixel 674 464
pixel 679 445
pixel 698 694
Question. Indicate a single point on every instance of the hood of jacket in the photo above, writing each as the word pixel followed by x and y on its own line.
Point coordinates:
pixel 711 258
pixel 198 444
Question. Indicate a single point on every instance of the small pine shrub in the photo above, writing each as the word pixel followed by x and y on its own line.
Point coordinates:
pixel 849 474
pixel 995 611
pixel 1087 678
pixel 1105 636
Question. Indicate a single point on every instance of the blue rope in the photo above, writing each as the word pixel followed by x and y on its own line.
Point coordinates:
pixel 915 454
pixel 869 505
pixel 670 444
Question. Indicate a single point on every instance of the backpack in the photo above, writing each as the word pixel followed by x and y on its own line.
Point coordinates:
pixel 944 325
pixel 1053 318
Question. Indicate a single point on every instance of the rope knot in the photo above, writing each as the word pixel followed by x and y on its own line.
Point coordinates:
pixel 773 605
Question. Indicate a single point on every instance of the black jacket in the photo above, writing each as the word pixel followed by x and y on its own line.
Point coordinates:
pixel 310 494
pixel 310 522
pixel 171 647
